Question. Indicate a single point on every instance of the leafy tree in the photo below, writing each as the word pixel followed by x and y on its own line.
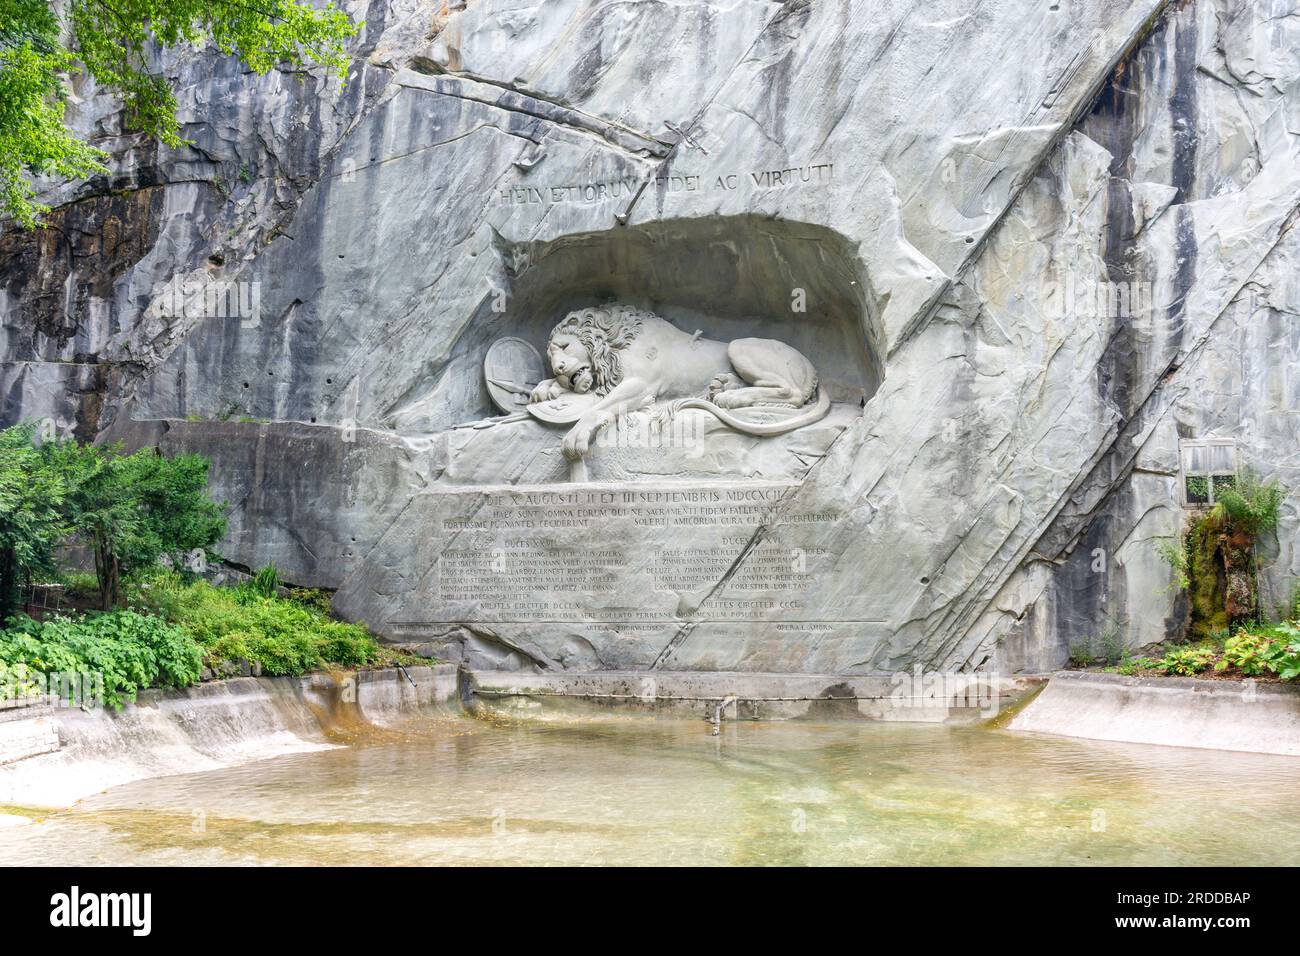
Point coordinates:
pixel 133 509
pixel 32 134
pixel 32 521
pixel 41 41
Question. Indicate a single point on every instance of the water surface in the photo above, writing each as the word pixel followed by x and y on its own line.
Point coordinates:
pixel 641 791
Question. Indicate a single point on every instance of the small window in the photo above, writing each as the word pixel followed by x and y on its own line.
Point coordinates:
pixel 1209 468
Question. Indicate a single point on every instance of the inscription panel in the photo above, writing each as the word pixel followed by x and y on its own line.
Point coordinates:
pixel 807 176
pixel 647 556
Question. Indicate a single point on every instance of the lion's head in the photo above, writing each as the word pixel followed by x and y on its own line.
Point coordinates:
pixel 583 348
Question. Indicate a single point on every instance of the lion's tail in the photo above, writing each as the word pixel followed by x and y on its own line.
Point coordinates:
pixel 764 429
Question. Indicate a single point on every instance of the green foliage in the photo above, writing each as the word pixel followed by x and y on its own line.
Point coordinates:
pixel 1133 665
pixel 79 582
pixel 115 42
pixel 1219 638
pixel 1081 653
pixel 32 519
pixel 282 636
pixel 32 97
pixel 1173 551
pixel 1187 661
pixel 130 650
pixel 1113 648
pixel 314 599
pixel 1283 652
pixel 1106 648
pixel 266 582
pixel 1253 651
pixel 1198 489
pixel 173 629
pixel 133 509
pixel 1247 652
pixel 1251 507
pixel 1214 562
pixel 16 681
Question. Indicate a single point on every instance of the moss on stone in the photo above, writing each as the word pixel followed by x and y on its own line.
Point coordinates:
pixel 1207 593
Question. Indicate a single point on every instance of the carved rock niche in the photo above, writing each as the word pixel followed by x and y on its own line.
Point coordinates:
pixel 723 348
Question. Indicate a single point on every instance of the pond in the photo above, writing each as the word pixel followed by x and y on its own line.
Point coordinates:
pixel 642 791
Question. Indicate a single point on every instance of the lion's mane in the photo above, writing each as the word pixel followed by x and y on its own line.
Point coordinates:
pixel 604 331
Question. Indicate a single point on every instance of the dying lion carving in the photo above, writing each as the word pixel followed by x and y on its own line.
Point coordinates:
pixel 632 358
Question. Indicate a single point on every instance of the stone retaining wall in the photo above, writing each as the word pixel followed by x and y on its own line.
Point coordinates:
pixel 53 756
pixel 1171 711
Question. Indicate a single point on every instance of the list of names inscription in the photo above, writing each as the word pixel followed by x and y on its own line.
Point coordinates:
pixel 557 555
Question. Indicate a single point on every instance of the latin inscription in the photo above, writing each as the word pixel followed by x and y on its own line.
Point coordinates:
pixel 811 175
pixel 532 556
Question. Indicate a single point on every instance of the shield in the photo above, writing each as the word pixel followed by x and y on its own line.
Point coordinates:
pixel 512 369
pixel 565 410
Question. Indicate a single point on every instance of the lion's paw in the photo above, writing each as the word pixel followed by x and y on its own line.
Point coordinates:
pixel 724 382
pixel 546 390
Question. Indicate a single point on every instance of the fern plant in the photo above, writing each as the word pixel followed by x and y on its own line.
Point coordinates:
pixel 1251 506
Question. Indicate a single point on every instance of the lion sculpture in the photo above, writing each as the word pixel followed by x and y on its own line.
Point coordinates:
pixel 631 358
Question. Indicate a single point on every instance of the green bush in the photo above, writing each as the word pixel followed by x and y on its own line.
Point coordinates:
pixel 1283 651
pixel 1253 651
pixel 1134 665
pixel 1250 505
pixel 1247 652
pixel 15 681
pixel 1081 653
pixel 240 623
pixel 1187 661
pixel 1108 648
pixel 1215 560
pixel 174 627
pixel 129 650
pixel 266 582
pixel 314 599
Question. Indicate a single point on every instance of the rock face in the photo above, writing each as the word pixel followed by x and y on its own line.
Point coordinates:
pixel 1029 248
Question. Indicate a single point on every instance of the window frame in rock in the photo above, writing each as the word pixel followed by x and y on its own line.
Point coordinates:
pixel 1210 470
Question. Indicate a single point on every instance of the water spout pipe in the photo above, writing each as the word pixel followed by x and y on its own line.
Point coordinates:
pixel 717 712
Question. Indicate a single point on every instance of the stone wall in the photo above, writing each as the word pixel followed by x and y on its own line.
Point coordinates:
pixel 931 184
pixel 53 754
pixel 1170 712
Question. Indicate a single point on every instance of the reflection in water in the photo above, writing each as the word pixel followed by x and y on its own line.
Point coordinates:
pixel 664 792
